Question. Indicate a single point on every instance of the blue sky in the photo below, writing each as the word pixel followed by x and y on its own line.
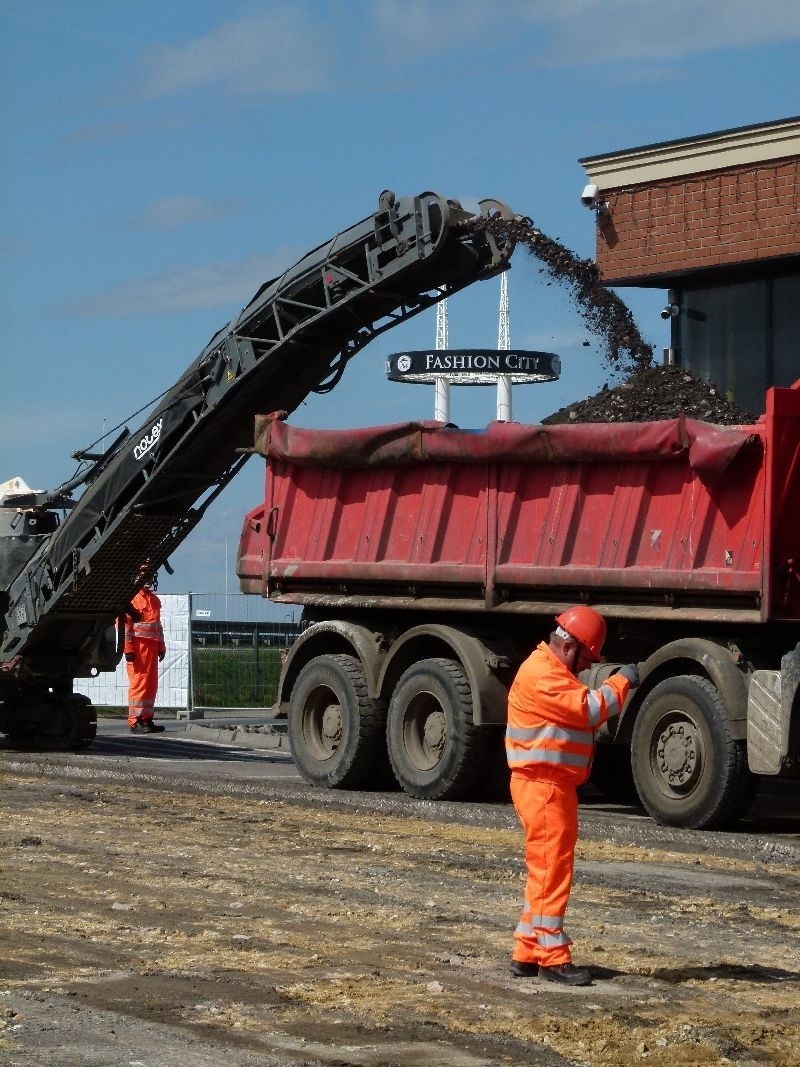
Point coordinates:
pixel 161 160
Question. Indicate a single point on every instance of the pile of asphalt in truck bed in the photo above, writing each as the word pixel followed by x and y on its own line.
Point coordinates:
pixel 652 394
pixel 649 393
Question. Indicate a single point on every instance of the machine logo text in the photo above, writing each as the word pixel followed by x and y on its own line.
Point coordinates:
pixel 148 441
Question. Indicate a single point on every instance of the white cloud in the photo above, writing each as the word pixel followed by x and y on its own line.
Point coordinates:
pixel 121 129
pixel 172 212
pixel 300 48
pixel 281 51
pixel 422 27
pixel 608 30
pixel 216 285
pixel 570 32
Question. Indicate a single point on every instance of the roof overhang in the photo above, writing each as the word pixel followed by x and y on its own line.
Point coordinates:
pixel 695 155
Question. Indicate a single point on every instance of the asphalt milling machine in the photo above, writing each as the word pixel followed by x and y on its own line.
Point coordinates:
pixel 71 559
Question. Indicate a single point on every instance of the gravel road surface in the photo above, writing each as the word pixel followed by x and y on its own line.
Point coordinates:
pixel 169 902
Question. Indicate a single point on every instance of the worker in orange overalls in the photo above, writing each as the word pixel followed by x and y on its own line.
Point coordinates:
pixel 144 650
pixel 552 717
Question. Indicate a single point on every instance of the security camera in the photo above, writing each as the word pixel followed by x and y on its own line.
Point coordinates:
pixel 671 311
pixel 589 195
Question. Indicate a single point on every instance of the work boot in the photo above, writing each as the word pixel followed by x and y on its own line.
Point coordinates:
pixel 566 974
pixel 524 970
pixel 147 727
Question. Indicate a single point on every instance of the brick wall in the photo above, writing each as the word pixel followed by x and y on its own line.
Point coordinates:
pixel 700 221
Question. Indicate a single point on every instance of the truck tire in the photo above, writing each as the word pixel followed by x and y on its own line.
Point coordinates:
pixel 689 770
pixel 337 733
pixel 84 723
pixel 63 724
pixel 436 750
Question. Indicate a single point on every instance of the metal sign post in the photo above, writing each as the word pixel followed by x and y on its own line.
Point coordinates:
pixel 503 345
pixel 441 405
pixel 444 366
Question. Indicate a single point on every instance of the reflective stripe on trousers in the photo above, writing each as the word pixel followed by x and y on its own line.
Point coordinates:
pixel 549 816
pixel 547 929
pixel 142 682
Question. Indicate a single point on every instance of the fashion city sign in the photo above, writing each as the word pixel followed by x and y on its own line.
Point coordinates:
pixel 473 366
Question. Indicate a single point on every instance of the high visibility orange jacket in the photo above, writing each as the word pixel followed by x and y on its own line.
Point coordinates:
pixel 144 638
pixel 552 717
pixel 148 626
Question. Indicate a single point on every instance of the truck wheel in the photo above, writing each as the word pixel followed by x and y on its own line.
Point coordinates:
pixel 336 732
pixel 688 769
pixel 437 752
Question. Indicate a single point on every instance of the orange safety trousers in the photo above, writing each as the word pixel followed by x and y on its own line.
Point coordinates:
pixel 548 812
pixel 142 681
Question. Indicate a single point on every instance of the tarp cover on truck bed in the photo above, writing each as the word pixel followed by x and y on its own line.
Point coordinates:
pixel 672 519
pixel 709 448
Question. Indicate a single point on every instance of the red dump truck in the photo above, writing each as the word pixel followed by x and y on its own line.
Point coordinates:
pixel 429 561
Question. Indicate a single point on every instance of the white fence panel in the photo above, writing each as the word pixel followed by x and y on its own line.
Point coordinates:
pixel 111 689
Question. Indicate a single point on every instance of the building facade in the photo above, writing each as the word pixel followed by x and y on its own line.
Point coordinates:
pixel 714 220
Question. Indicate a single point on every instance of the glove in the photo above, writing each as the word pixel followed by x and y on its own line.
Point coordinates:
pixel 130 657
pixel 161 657
pixel 631 672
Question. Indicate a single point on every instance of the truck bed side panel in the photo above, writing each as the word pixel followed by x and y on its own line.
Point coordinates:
pixel 654 528
pixel 387 525
pixel 650 520
pixel 783 503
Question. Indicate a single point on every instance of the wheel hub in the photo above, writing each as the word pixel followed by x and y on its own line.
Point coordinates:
pixel 434 731
pixel 424 731
pixel 332 724
pixel 677 753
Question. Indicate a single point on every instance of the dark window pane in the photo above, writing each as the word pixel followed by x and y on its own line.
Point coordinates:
pixel 786 330
pixel 723 334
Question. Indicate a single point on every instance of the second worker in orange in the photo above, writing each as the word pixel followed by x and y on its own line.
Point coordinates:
pixel 144 650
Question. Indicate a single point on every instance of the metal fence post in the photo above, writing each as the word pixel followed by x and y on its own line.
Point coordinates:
pixel 256 665
pixel 189 672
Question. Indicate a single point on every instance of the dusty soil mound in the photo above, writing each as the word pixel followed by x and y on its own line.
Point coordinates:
pixel 652 394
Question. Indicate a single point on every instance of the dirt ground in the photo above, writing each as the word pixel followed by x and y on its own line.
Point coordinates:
pixel 145 926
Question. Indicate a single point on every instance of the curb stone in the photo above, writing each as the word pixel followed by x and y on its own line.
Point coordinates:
pixel 254 735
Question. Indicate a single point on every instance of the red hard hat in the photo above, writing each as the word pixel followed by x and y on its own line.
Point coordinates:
pixel 585 625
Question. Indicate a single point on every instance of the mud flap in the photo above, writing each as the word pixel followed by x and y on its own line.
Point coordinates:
pixel 770 700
